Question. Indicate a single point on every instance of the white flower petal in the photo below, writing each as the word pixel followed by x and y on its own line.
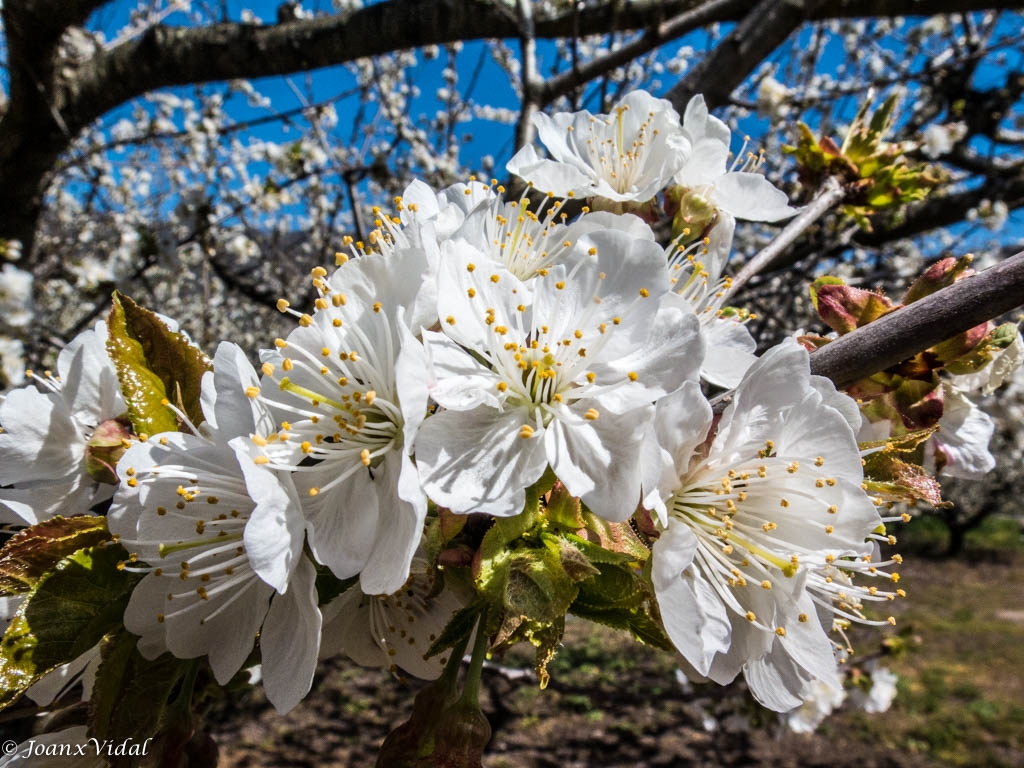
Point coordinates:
pixel 964 434
pixel 552 176
pixel 698 123
pixel 275 530
pixel 88 378
pixel 752 197
pixel 599 459
pixel 290 640
pixel 343 519
pixel 476 461
pixel 730 352
pixel 403 510
pixel 694 618
pixel 705 164
pixel 457 380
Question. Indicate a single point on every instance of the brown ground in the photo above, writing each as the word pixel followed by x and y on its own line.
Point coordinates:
pixel 614 703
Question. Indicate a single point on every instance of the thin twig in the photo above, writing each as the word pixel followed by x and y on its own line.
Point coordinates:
pixel 654 37
pixel 831 194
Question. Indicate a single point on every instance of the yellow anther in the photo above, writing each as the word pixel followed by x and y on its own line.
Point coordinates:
pixel 526 431
pixel 591 414
pixel 282 305
pixel 252 391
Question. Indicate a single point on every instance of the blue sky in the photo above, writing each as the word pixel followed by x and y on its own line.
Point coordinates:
pixel 492 87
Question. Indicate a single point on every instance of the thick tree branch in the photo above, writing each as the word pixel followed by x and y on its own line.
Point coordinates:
pixel 912 329
pixel 654 37
pixel 45 113
pixel 167 56
pixel 761 31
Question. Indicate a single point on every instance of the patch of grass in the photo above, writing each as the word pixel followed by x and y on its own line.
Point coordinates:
pixel 961 684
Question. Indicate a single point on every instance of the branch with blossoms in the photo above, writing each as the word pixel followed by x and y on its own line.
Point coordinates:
pixel 493 415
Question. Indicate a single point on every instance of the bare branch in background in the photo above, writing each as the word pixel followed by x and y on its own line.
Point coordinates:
pixel 830 195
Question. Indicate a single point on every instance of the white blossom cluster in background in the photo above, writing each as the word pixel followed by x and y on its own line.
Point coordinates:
pixel 470 346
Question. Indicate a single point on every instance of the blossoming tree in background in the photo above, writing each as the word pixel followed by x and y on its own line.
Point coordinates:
pixel 499 404
pixel 467 437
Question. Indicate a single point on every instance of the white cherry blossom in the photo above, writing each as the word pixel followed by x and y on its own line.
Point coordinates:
pixel 560 374
pixel 393 631
pixel 629 154
pixel 735 190
pixel 697 277
pixel 219 536
pixel 762 521
pixel 45 434
pixel 349 384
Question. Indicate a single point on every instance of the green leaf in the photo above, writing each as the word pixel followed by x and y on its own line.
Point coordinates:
pixel 66 613
pixel 575 564
pixel 458 628
pixel 537 587
pixel 546 639
pixel 137 698
pixel 563 509
pixel 34 552
pixel 154 364
pixel 897 480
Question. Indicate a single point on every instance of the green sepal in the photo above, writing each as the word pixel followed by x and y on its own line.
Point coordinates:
pixel 66 613
pixel 575 564
pixel 546 640
pixel 537 586
pixel 137 698
pixel 329 586
pixel 905 443
pixel 893 479
pixel 34 552
pixel 597 554
pixel 459 627
pixel 154 364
